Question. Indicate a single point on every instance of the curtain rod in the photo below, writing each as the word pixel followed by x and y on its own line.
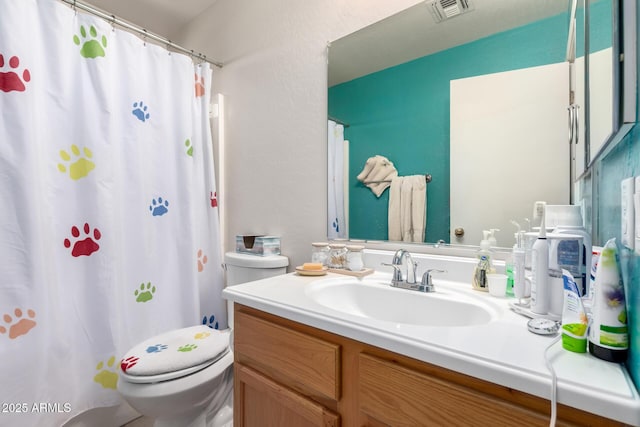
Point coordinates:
pixel 139 30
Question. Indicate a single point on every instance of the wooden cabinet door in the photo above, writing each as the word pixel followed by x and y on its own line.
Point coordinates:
pixel 393 395
pixel 261 402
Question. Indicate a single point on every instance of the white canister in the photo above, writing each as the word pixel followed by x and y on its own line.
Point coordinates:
pixel 337 255
pixel 354 257
pixel 320 252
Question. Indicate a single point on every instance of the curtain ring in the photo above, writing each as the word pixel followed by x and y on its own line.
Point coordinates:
pixel 113 22
pixel 168 46
pixel 144 37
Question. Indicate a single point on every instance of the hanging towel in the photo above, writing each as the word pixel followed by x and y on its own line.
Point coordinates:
pixel 377 168
pixel 407 215
pixel 395 229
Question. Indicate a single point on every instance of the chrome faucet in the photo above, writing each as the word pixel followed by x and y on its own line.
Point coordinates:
pixel 403 280
pixel 399 281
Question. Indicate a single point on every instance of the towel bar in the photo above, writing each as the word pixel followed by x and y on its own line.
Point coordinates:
pixel 427 178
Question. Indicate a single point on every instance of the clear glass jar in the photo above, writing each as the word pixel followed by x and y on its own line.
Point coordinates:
pixel 320 252
pixel 337 255
pixel 354 257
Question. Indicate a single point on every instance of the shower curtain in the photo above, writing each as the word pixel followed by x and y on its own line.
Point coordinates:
pixel 108 211
pixel 337 162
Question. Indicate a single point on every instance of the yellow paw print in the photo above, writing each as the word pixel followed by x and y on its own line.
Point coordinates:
pixel 107 377
pixel 81 167
pixel 201 335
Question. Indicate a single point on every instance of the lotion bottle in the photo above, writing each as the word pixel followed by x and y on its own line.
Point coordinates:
pixel 608 332
pixel 540 271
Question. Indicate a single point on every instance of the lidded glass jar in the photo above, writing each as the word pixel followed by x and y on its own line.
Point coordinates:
pixel 337 255
pixel 354 257
pixel 320 252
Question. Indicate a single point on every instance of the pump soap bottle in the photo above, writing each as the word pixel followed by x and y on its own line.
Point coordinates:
pixel 484 265
pixel 540 270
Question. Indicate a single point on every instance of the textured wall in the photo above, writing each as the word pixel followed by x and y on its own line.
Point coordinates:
pixel 275 86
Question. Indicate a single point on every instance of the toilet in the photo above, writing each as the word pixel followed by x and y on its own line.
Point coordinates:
pixel 184 377
pixel 243 268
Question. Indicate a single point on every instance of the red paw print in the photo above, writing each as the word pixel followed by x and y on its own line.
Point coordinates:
pixel 11 81
pixel 129 362
pixel 214 199
pixel 86 246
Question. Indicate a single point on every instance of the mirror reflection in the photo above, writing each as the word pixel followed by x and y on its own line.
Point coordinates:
pixel 478 102
pixel 603 120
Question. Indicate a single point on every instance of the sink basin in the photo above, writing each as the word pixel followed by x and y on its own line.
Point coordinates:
pixel 375 299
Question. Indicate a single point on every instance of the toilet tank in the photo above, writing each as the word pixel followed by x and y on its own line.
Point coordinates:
pixel 242 268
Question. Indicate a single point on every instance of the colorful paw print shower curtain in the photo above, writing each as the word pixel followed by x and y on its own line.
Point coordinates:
pixel 109 228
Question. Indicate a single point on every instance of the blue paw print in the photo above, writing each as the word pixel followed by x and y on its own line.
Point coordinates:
pixel 211 322
pixel 140 111
pixel 156 348
pixel 336 226
pixel 159 207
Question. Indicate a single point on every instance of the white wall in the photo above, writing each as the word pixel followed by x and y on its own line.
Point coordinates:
pixel 274 83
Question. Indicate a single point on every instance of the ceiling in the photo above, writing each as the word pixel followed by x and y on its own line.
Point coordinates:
pixel 374 47
pixel 413 33
pixel 162 17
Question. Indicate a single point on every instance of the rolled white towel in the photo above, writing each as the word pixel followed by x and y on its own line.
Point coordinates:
pixel 378 168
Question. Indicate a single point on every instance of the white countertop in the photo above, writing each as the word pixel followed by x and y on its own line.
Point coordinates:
pixel 502 351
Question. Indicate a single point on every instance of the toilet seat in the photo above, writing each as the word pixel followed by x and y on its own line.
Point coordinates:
pixel 174 354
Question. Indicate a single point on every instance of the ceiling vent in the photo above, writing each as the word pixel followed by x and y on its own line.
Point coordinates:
pixel 447 9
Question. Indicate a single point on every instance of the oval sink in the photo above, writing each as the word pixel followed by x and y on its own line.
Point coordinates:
pixel 376 300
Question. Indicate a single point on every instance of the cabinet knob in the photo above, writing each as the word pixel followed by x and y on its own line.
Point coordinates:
pixel 459 232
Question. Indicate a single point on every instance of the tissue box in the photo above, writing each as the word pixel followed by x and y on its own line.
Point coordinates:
pixel 258 245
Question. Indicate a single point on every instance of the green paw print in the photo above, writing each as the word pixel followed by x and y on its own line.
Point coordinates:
pixel 90 48
pixel 187 144
pixel 144 294
pixel 107 378
pixel 81 167
pixel 187 347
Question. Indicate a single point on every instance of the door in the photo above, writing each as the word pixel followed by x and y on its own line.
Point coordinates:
pixel 522 115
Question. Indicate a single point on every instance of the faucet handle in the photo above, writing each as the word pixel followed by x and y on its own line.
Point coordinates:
pixel 397 272
pixel 427 281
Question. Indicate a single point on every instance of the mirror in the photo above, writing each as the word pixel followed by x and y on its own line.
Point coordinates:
pixel 610 98
pixel 601 66
pixel 408 88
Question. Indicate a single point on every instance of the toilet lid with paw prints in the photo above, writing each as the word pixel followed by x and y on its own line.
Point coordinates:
pixel 175 351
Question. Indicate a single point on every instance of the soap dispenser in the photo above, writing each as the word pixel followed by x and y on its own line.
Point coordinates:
pixel 493 242
pixel 484 264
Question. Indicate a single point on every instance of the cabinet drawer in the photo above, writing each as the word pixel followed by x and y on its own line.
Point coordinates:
pixel 308 364
pixel 395 395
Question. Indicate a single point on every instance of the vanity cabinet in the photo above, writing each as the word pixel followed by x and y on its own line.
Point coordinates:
pixel 289 374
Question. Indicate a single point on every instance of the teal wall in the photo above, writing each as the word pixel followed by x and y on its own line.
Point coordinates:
pixel 620 163
pixel 402 113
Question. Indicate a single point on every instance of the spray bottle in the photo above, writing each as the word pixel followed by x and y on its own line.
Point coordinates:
pixel 540 270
